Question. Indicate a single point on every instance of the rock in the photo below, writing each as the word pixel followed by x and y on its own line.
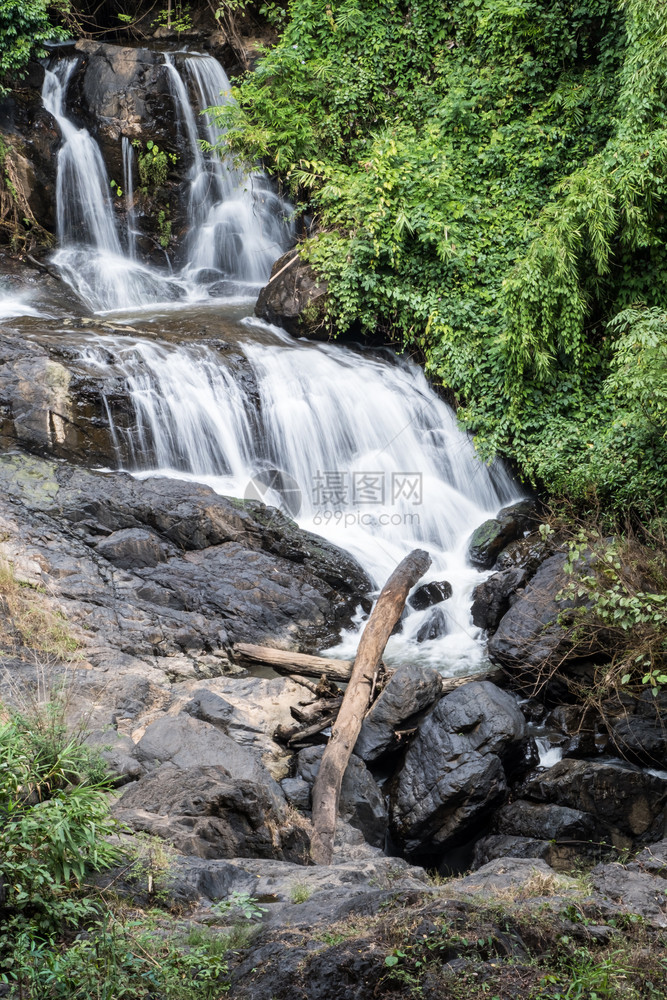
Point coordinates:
pixel 411 689
pixel 529 634
pixel 520 876
pixel 652 860
pixel 187 742
pixel 274 882
pixel 453 774
pixel 491 599
pixel 580 729
pixel 361 803
pixel 626 803
pixel 487 541
pixel 204 811
pixel 294 297
pixel 642 740
pixel 117 752
pixel 544 821
pixel 121 91
pixel 133 548
pixel 525 553
pixel 434 626
pixel 429 594
pixel 29 134
pixel 210 707
pixel 297 793
pixel 231 570
pixel 634 892
pixel 560 857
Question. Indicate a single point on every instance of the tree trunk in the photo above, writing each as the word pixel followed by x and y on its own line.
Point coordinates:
pixel 385 614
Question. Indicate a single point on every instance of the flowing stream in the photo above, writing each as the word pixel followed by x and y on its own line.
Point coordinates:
pixel 353 444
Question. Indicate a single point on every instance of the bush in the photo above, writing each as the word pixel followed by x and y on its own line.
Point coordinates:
pixel 58 936
pixel 24 27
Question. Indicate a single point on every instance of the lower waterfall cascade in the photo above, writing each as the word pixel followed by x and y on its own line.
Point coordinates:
pixel 353 444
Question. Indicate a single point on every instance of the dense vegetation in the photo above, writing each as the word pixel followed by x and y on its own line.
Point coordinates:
pixel 487 178
pixel 59 935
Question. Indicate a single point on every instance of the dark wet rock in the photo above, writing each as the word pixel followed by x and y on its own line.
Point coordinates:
pixel 626 803
pixel 491 599
pixel 488 541
pixel 453 774
pixel 580 727
pixel 642 740
pixel 234 571
pixel 205 811
pixel 526 554
pixel 49 406
pixel 544 821
pixel 133 548
pixel 640 893
pixel 530 634
pixel 294 297
pixel 29 134
pixel 429 594
pixel 411 689
pixel 120 91
pixel 434 627
pixel 361 804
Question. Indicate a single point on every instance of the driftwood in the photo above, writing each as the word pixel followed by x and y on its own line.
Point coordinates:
pixel 284 662
pixel 385 614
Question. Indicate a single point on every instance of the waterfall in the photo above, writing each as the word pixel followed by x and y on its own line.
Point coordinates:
pixel 128 190
pixel 368 455
pixel 236 225
pixel 354 446
pixel 89 254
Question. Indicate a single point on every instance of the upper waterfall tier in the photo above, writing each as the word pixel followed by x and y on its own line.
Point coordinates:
pixel 236 226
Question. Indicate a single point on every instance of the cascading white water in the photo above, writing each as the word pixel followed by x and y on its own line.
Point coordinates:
pixel 128 189
pixel 89 254
pixel 358 447
pixel 377 458
pixel 237 227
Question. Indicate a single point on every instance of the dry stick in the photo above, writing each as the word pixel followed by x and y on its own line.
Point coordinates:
pixel 385 614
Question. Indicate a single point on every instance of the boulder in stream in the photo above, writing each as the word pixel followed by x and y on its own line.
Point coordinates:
pixel 453 774
pixel 294 297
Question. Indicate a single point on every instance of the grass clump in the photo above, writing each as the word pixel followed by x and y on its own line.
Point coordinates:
pixel 27 622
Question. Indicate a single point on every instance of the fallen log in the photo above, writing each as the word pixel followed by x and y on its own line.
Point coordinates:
pixel 385 614
pixel 284 662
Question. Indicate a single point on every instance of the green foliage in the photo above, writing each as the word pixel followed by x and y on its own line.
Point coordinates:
pixel 55 817
pixel 58 938
pixel 617 600
pixel 24 27
pixel 153 164
pixel 487 182
pixel 177 17
pixel 243 902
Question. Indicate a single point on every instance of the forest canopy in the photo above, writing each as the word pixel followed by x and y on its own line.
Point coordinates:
pixel 487 183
